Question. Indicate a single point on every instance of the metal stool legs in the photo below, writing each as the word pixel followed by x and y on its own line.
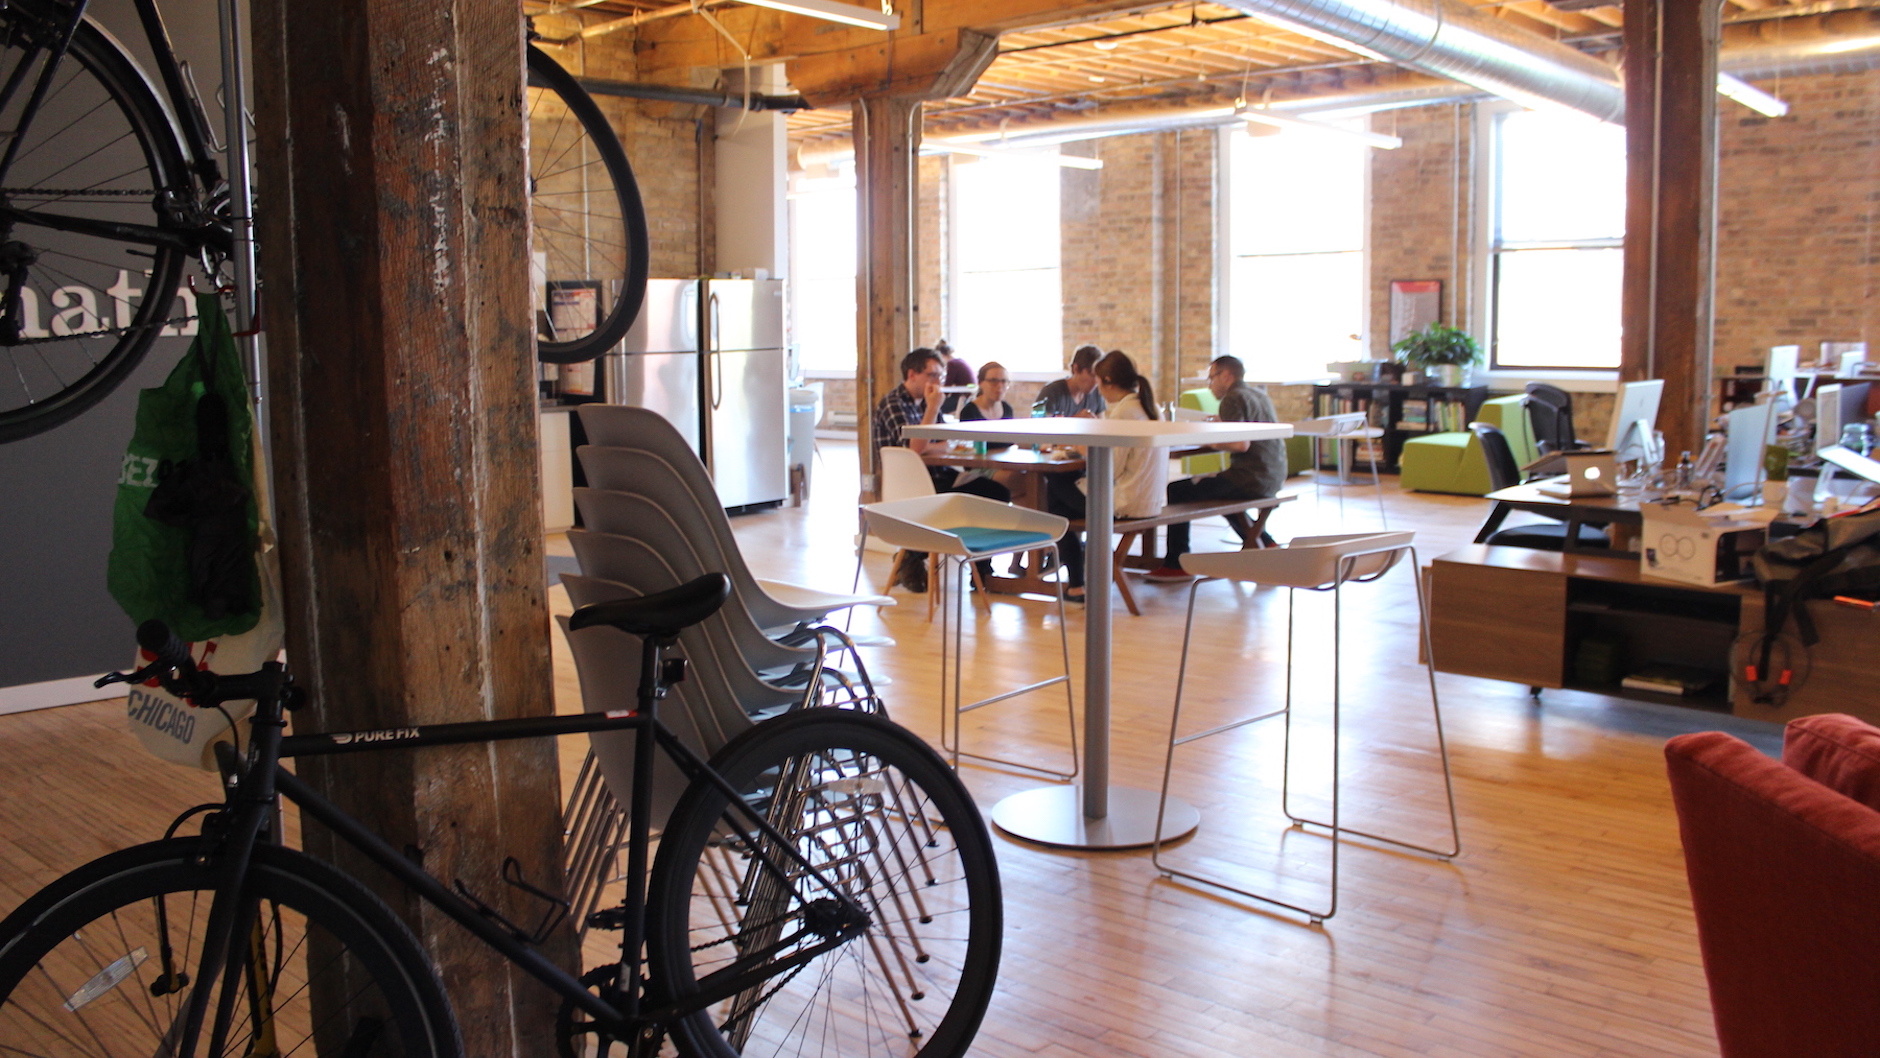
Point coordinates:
pixel 952 699
pixel 1335 825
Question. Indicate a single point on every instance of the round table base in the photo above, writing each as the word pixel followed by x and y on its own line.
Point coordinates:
pixel 1054 815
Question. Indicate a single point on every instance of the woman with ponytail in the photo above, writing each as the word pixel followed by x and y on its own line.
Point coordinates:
pixel 1141 474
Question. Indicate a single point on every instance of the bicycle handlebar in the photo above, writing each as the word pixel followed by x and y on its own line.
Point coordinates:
pixel 169 651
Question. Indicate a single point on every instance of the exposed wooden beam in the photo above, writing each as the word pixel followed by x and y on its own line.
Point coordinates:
pixel 1671 172
pixel 886 133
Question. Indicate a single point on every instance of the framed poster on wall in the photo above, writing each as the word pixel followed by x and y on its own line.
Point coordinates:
pixel 1414 305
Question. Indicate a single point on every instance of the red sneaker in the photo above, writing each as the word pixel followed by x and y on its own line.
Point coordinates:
pixel 1169 575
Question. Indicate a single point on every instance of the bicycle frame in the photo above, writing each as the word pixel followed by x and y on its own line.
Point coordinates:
pixel 186 117
pixel 252 795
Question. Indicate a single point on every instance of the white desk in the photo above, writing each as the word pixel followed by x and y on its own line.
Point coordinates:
pixel 1096 815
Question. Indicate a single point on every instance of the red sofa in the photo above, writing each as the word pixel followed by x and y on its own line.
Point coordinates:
pixel 1784 866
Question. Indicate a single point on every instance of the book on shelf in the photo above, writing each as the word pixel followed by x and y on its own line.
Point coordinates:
pixel 1680 680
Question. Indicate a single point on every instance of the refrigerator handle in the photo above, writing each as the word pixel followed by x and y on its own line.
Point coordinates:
pixel 711 350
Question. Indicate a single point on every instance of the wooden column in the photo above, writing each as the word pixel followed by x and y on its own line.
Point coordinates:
pixel 887 173
pixel 1671 175
pixel 395 251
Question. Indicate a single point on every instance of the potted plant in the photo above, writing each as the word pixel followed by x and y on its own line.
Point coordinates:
pixel 1441 352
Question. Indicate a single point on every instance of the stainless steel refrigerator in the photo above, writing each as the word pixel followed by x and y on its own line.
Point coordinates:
pixel 746 413
pixel 708 355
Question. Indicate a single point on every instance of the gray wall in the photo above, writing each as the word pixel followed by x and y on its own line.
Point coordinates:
pixel 56 489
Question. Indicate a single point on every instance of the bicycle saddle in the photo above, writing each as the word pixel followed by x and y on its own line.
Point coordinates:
pixel 663 613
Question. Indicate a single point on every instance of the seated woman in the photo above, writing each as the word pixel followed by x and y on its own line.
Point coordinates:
pixel 1141 474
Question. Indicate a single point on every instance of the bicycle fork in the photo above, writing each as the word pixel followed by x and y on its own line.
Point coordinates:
pixel 656 675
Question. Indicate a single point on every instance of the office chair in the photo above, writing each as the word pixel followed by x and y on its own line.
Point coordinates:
pixel 1503 473
pixel 1550 413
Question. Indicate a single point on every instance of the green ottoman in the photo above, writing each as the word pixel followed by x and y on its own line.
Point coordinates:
pixel 1453 462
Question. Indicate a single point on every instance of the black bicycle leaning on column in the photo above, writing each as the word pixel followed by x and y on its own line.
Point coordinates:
pixel 111 194
pixel 825 883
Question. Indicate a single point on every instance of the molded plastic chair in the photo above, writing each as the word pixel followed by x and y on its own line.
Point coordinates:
pixel 1314 563
pixel 958 529
pixel 642 442
pixel 1503 473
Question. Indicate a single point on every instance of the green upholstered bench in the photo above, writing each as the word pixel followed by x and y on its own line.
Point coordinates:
pixel 1453 462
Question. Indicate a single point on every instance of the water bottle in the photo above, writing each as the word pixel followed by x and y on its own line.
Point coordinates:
pixel 1857 436
pixel 1037 412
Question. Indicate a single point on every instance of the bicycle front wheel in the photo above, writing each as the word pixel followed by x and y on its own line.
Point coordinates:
pixel 879 816
pixel 90 965
pixel 591 249
pixel 94 198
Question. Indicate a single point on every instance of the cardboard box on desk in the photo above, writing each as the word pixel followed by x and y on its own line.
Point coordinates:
pixel 1677 543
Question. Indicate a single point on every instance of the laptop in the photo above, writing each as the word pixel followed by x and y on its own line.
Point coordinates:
pixel 1589 473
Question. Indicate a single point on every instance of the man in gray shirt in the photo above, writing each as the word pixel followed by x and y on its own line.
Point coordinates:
pixel 1068 397
pixel 1255 471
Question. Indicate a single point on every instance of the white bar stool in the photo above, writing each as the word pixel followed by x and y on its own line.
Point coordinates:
pixel 1313 563
pixel 1342 430
pixel 958 529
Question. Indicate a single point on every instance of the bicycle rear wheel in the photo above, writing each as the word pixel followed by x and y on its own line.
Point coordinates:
pixel 94 175
pixel 589 225
pixel 879 814
pixel 83 963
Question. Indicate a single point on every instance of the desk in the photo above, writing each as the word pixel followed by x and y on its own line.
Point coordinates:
pixel 1097 815
pixel 1621 512
pixel 1521 615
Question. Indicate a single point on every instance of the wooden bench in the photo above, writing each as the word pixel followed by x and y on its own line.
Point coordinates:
pixel 1130 530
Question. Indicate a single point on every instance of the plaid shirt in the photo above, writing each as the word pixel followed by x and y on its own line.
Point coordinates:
pixel 895 411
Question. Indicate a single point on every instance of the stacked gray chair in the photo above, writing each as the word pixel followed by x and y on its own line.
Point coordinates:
pixel 762 655
pixel 688 488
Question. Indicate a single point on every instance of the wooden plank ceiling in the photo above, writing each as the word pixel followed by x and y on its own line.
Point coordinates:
pixel 1190 56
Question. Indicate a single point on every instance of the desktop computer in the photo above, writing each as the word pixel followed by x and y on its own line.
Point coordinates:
pixel 1634 433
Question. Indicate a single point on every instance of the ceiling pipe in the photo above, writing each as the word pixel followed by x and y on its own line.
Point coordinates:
pixel 1452 40
pixel 697 96
pixel 1827 54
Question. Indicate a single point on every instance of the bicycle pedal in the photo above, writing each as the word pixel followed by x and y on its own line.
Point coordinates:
pixel 608 918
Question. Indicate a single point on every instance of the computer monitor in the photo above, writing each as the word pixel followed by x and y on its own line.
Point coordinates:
pixel 1635 421
pixel 1836 405
pixel 1780 366
pixel 1751 430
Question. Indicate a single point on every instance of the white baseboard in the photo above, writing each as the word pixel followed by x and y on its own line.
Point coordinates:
pixel 30 696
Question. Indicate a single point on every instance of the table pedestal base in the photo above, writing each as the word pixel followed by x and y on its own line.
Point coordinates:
pixel 1054 815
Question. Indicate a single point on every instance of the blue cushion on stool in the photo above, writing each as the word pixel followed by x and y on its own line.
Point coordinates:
pixel 978 539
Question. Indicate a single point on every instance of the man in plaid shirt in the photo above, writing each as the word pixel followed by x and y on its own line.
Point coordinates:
pixel 916 401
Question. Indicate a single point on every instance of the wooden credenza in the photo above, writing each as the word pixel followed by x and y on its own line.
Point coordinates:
pixel 1534 617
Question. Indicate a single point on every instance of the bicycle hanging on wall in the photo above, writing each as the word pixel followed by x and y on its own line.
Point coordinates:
pixel 111 193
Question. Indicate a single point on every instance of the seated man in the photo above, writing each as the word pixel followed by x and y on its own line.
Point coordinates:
pixel 916 401
pixel 1076 395
pixel 1255 471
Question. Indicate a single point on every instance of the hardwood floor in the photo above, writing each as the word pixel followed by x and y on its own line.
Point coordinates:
pixel 1564 928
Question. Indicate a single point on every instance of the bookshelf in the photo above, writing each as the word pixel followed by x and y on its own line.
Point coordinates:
pixel 1402 412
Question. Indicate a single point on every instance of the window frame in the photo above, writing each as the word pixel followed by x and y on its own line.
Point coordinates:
pixel 1224 257
pixel 1487 265
pixel 953 285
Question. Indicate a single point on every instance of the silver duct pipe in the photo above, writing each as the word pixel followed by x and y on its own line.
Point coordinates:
pixel 1816 55
pixel 1450 39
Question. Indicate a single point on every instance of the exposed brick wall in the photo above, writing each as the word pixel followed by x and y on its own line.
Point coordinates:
pixel 1138 251
pixel 1797 203
pixel 1420 200
pixel 931 259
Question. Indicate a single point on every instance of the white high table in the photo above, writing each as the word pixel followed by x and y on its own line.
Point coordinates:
pixel 1096 815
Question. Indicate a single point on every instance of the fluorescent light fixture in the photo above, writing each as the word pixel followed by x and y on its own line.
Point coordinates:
pixel 847 14
pixel 1750 96
pixel 1067 161
pixel 1284 121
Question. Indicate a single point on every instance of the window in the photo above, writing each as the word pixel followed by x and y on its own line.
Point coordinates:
pixel 822 273
pixel 1295 276
pixel 1558 241
pixel 1007 298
